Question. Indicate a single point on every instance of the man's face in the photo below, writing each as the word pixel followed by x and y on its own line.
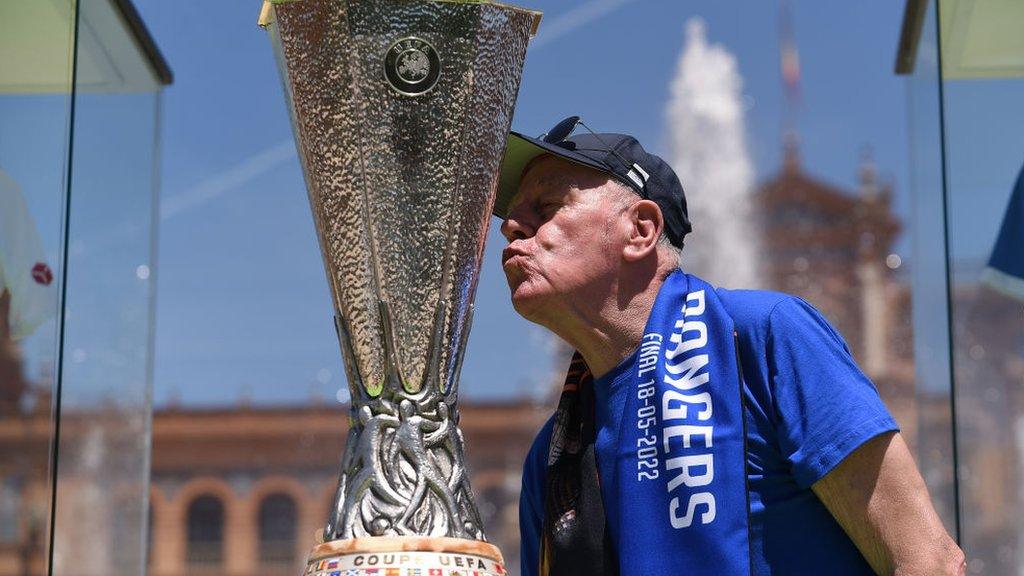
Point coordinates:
pixel 563 238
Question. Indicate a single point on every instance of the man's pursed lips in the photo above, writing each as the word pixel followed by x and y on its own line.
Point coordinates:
pixel 510 252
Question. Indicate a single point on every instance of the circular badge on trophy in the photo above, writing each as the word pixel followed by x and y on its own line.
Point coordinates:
pixel 412 66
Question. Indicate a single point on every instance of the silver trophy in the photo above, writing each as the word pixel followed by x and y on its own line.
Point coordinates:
pixel 400 110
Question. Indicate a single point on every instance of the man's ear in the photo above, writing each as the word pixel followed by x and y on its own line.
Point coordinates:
pixel 645 228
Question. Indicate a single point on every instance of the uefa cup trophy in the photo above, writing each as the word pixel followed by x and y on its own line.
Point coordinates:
pixel 400 110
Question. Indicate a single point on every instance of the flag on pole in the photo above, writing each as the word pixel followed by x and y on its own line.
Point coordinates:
pixel 1005 271
pixel 789 57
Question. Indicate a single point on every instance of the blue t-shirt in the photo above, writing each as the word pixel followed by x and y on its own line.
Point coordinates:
pixel 808 406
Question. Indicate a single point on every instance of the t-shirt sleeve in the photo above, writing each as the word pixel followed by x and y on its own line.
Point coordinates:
pixel 531 502
pixel 826 407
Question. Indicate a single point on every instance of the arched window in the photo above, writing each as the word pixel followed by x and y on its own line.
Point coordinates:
pixel 10 503
pixel 205 526
pixel 278 521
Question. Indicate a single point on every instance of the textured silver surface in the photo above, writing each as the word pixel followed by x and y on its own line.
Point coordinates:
pixel 401 188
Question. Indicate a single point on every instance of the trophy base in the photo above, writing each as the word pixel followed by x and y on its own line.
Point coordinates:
pixel 405 556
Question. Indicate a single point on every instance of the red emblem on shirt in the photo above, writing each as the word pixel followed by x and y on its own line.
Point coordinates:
pixel 42 274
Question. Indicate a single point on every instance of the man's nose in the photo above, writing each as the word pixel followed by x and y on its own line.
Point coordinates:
pixel 513 228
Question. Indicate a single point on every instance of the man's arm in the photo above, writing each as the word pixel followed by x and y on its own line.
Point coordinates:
pixel 531 501
pixel 879 498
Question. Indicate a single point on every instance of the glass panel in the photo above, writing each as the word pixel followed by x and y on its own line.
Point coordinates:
pixel 983 85
pixel 103 448
pixel 37 43
pixel 935 453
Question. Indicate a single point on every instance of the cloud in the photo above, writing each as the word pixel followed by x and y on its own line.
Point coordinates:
pixel 223 182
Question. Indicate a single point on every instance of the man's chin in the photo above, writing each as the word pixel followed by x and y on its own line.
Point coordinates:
pixel 526 301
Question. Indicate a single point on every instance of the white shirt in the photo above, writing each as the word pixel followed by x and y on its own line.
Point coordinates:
pixel 24 271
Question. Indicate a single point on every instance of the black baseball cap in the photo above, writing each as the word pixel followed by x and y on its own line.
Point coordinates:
pixel 618 155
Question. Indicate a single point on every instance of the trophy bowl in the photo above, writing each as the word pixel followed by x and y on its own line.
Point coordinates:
pixel 400 110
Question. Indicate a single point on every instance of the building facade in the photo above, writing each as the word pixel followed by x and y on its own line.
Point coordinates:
pixel 243 490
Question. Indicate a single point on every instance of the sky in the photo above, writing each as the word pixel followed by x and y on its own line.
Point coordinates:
pixel 243 308
pixel 243 311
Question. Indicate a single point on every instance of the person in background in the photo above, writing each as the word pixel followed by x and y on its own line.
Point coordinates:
pixel 27 297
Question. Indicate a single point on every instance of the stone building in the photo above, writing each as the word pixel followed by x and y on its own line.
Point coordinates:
pixel 830 246
pixel 233 490
pixel 242 490
pixel 834 248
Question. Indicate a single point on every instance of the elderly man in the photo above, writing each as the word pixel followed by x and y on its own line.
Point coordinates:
pixel 700 430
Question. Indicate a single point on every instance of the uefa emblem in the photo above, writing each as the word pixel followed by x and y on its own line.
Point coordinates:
pixel 412 66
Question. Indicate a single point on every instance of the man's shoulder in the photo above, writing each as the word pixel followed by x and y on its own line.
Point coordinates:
pixel 752 309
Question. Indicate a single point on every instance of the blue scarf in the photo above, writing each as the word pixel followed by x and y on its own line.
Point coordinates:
pixel 674 495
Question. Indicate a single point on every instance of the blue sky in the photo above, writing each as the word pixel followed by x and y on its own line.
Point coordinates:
pixel 243 307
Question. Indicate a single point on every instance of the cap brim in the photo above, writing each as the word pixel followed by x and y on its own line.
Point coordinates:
pixel 519 152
